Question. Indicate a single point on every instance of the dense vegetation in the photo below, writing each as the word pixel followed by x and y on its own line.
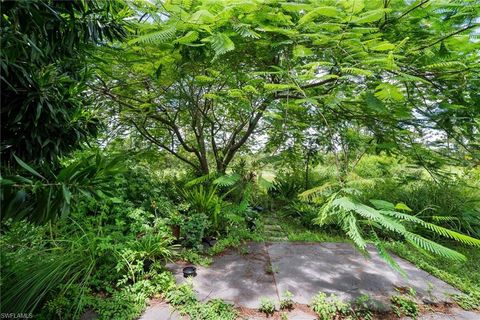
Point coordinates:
pixel 133 132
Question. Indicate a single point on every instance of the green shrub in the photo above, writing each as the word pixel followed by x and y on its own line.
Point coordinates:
pixel 267 305
pixel 193 229
pixel 286 187
pixel 182 295
pixel 327 307
pixel 462 275
pixel 301 211
pixel 363 306
pixel 404 306
pixel 469 301
pixel 215 309
pixel 287 301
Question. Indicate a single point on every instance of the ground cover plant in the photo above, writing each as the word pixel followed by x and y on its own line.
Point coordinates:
pixel 137 133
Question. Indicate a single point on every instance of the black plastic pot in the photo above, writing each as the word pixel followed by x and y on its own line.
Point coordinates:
pixel 189 272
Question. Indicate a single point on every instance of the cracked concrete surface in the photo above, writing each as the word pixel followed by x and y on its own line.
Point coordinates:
pixel 304 269
pixel 268 270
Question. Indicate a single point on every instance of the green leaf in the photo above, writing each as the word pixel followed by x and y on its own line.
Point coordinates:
pixel 301 51
pixel 384 46
pixel 388 92
pixel 189 37
pixel 382 205
pixel 371 16
pixel 331 12
pixel 353 6
pixel 278 86
pixel 227 180
pixel 357 71
pixel 202 17
pixel 28 168
pixel 67 195
pixel 403 206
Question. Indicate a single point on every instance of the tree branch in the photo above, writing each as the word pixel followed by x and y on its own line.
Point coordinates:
pixel 143 131
pixel 448 36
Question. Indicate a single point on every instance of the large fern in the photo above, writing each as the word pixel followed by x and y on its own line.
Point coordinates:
pixel 356 219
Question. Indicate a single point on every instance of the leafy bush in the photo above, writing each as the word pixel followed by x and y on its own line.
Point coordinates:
pixel 267 305
pixel 215 309
pixel 182 295
pixel 287 300
pixel 59 269
pixel 130 301
pixel 193 228
pixel 362 307
pixel 462 275
pixel 327 307
pixel 453 205
pixel 301 211
pixel 286 187
pixel 403 305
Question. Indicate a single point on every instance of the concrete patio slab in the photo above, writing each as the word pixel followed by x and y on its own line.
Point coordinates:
pixel 305 269
pixel 240 279
pixel 453 314
pixel 338 268
pixel 160 311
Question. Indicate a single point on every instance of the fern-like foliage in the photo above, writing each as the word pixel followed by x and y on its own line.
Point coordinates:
pixel 355 218
pixel 227 180
pixel 221 44
pixel 201 179
pixel 156 37
pixel 245 31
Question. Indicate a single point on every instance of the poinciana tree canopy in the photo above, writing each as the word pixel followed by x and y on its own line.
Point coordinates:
pixel 204 79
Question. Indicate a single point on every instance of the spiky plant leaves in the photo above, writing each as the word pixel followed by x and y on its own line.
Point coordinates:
pixel 53 268
pixel 245 31
pixel 385 255
pixel 388 92
pixel 354 232
pixel 382 204
pixel 313 193
pixel 46 199
pixel 433 247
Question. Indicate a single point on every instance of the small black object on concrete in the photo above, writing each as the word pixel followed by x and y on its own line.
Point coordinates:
pixel 189 272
